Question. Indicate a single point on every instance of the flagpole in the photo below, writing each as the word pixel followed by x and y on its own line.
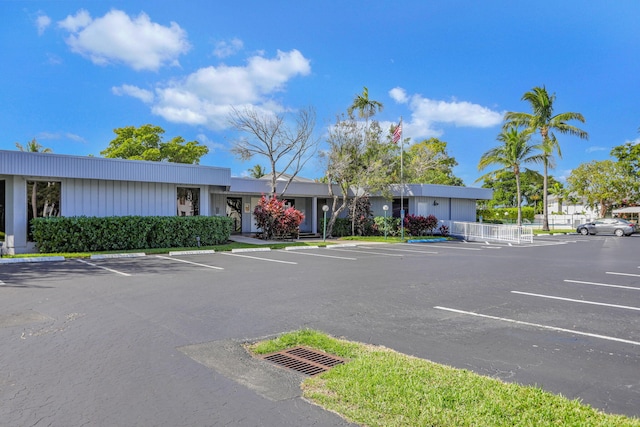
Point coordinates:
pixel 401 182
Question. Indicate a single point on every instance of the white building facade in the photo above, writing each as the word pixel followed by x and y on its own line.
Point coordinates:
pixel 39 184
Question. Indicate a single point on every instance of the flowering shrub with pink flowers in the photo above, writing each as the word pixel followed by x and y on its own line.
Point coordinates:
pixel 276 220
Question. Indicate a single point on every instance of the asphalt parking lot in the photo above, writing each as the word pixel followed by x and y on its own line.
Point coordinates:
pixel 106 341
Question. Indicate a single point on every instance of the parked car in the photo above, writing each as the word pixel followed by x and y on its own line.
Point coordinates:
pixel 618 226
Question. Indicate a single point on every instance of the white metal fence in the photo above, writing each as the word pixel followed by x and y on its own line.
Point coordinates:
pixel 475 231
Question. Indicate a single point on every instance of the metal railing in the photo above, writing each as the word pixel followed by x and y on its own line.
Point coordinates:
pixel 475 231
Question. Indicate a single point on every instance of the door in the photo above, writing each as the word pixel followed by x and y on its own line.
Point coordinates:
pixel 234 211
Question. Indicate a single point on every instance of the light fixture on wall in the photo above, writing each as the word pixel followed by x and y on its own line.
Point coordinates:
pixel 435 203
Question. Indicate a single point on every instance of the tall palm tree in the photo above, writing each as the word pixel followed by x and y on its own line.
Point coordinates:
pixel 544 121
pixel 33 146
pixel 514 151
pixel 366 108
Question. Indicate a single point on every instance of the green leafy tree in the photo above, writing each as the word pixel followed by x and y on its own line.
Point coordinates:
pixel 629 155
pixel 543 120
pixel 145 143
pixel 428 162
pixel 353 163
pixel 603 184
pixel 514 151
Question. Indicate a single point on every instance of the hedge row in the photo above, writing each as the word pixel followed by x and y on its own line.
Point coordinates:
pixel 90 234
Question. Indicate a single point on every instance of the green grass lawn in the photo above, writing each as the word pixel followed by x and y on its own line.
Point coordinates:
pixel 381 387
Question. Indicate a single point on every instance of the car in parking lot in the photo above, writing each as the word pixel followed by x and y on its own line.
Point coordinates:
pixel 618 226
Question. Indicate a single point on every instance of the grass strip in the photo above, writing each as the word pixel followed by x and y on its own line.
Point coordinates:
pixel 381 387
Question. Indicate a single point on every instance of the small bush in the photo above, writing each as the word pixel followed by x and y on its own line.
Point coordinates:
pixel 418 225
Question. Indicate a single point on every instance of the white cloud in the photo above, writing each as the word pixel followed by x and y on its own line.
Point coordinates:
pixel 206 96
pixel 74 23
pixel 593 149
pixel 143 95
pixel 59 135
pixel 204 139
pixel 399 95
pixel 224 49
pixel 427 113
pixel 42 23
pixel 118 38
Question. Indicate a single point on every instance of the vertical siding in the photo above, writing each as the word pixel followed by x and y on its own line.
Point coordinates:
pixel 117 198
pixel 463 210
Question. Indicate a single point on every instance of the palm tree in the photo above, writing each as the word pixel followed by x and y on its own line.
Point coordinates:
pixel 33 146
pixel 544 121
pixel 366 108
pixel 514 151
pixel 257 171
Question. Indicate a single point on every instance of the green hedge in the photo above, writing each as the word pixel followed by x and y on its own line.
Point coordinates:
pixel 90 234
pixel 504 215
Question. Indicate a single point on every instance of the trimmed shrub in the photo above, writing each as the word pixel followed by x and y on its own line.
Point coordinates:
pixel 91 234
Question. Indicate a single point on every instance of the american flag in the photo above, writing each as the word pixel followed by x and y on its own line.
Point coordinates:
pixel 397 133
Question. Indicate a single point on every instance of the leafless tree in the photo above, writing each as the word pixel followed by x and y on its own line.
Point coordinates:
pixel 286 146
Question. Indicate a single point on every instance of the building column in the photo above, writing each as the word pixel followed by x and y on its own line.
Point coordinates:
pixel 15 239
pixel 314 215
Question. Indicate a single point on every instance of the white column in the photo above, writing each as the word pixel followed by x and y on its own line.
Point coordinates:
pixel 15 240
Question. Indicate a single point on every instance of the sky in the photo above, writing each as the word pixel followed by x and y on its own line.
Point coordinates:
pixel 73 71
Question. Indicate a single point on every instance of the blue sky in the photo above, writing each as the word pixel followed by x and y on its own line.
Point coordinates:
pixel 72 71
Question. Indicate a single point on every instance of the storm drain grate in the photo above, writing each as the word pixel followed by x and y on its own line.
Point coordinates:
pixel 305 360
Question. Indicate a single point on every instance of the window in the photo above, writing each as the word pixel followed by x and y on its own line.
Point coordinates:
pixel 188 201
pixel 43 200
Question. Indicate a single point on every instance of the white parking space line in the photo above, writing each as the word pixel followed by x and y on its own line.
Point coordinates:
pixel 536 325
pixel 104 268
pixel 190 262
pixel 445 246
pixel 602 284
pixel 362 252
pixel 403 250
pixel 258 258
pixel 2 283
pixel 323 256
pixel 622 274
pixel 626 307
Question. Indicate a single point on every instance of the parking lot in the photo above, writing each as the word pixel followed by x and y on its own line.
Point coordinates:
pixel 99 341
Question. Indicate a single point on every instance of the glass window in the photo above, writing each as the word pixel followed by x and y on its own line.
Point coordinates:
pixel 188 201
pixel 43 200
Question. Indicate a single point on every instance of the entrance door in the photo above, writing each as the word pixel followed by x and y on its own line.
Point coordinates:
pixel 234 211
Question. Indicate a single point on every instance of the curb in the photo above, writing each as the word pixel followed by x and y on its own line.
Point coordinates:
pixel 204 251
pixel 237 250
pixel 131 255
pixel 426 240
pixel 33 259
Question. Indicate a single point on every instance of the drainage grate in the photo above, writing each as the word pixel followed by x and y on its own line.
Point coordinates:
pixel 305 360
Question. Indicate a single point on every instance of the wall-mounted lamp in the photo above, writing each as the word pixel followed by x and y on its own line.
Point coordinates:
pixel 435 203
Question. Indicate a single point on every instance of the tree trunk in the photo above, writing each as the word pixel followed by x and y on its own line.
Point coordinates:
pixel 545 213
pixel 34 199
pixel 519 200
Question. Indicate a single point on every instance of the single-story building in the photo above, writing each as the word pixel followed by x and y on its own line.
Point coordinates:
pixel 44 184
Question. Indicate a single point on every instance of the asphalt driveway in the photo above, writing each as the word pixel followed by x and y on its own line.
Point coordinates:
pixel 154 340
